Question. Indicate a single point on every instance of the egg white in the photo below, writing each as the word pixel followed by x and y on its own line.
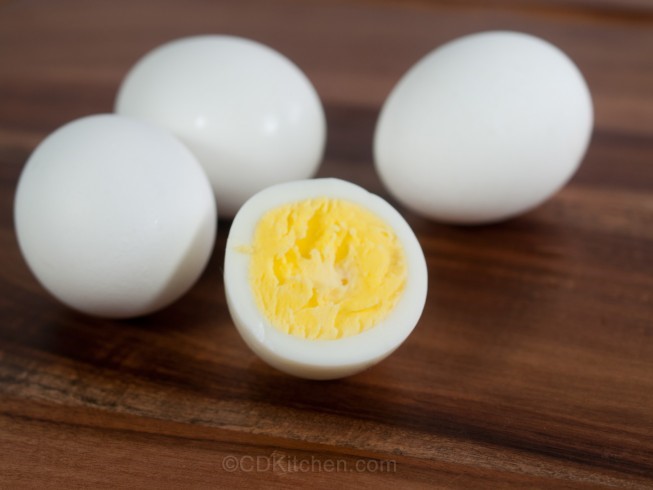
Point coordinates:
pixel 236 104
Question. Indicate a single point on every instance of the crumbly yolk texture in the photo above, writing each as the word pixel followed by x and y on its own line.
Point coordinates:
pixel 325 268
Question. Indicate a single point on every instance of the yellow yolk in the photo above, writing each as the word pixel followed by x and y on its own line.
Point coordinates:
pixel 325 268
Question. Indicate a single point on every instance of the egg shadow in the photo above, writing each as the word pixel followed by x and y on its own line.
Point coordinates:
pixel 266 384
pixel 194 257
pixel 493 290
pixel 159 348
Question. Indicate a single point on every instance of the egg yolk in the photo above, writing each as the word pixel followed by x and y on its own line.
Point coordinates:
pixel 325 268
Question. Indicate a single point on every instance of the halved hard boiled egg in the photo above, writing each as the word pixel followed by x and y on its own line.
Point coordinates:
pixel 323 279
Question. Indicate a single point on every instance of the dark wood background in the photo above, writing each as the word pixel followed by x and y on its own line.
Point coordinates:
pixel 531 367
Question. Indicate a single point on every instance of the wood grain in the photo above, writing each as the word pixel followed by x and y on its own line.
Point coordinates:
pixel 532 366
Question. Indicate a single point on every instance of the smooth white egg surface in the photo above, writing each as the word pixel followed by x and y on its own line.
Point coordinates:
pixel 115 217
pixel 249 114
pixel 484 128
pixel 323 279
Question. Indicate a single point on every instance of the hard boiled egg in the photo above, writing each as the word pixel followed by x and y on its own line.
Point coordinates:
pixel 484 128
pixel 248 113
pixel 323 279
pixel 114 217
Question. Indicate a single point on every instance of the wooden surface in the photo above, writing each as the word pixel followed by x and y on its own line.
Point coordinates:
pixel 532 365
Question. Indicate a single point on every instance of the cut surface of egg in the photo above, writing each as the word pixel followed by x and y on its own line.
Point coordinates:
pixel 484 128
pixel 115 217
pixel 323 279
pixel 248 113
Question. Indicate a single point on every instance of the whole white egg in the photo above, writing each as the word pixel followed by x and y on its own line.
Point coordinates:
pixel 114 217
pixel 323 279
pixel 249 114
pixel 484 128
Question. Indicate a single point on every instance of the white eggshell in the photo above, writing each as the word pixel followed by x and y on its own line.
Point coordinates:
pixel 248 113
pixel 484 128
pixel 114 217
pixel 320 359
